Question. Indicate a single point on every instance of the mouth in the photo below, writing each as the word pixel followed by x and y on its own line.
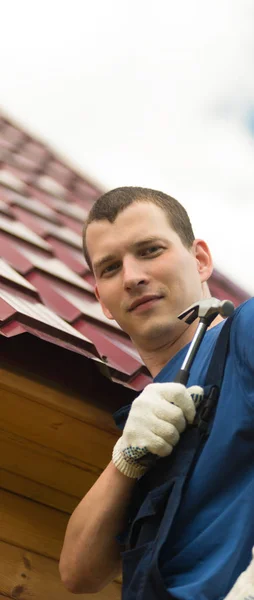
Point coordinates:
pixel 146 305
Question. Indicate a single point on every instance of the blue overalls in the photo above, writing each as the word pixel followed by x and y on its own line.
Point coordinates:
pixel 157 495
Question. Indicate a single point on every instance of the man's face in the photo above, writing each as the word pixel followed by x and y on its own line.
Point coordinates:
pixel 137 266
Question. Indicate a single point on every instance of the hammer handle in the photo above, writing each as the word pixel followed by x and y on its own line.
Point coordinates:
pixel 183 374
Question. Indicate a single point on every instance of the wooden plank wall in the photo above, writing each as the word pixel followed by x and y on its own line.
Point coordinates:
pixel 52 449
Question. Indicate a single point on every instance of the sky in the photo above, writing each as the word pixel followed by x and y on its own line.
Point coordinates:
pixel 156 94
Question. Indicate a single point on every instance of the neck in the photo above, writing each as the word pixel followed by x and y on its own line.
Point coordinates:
pixel 156 359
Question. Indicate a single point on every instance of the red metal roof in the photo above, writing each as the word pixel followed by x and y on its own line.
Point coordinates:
pixel 46 288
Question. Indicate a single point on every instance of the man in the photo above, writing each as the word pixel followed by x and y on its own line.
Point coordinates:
pixel 148 268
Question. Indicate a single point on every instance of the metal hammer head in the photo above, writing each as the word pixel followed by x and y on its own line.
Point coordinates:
pixel 208 309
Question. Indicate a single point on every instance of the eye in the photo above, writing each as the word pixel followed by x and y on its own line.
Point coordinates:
pixel 109 269
pixel 151 250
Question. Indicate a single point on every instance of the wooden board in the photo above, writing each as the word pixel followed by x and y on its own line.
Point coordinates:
pixel 60 432
pixel 32 525
pixel 57 478
pixel 25 575
pixel 85 409
pixel 36 491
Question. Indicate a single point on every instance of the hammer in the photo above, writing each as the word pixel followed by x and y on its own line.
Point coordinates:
pixel 206 310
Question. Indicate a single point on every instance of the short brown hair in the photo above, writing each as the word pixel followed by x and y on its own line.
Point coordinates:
pixel 109 205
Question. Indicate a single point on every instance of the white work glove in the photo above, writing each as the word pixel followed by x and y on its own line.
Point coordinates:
pixel 156 419
pixel 244 585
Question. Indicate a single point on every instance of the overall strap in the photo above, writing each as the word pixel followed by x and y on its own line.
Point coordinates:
pixel 214 378
pixel 216 367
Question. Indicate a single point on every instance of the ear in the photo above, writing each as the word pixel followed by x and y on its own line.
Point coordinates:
pixel 107 313
pixel 203 259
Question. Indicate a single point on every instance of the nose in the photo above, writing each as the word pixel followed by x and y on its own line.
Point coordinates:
pixel 133 273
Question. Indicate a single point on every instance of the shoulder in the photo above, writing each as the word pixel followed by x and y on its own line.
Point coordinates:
pixel 242 335
pixel 244 318
pixel 245 311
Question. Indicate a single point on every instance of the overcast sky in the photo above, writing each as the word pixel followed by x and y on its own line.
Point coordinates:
pixel 158 94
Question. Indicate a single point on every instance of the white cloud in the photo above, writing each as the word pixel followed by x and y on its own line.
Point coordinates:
pixel 146 93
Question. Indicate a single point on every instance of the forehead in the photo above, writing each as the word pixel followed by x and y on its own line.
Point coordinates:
pixel 136 222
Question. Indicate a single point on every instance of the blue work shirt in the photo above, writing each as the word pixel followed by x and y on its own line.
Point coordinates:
pixel 213 532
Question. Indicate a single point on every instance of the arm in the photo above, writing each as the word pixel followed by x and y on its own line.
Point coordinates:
pixel 90 556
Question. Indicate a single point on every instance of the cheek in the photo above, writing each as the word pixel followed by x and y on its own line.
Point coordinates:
pixel 190 277
pixel 182 272
pixel 172 271
pixel 110 296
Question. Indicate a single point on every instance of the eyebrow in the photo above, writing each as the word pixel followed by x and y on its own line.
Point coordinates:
pixel 137 245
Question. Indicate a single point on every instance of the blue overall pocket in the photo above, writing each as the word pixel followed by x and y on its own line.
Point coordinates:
pixel 141 541
pixel 145 524
pixel 143 552
pixel 136 563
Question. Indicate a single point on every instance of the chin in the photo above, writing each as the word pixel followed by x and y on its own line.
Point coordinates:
pixel 158 330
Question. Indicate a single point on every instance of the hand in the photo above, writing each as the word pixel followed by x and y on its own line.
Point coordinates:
pixel 243 588
pixel 156 419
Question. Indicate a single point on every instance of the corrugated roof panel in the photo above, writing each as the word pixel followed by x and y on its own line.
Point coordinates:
pixel 137 383
pixel 69 256
pixel 4 143
pixel 118 338
pixel 19 230
pixel 140 381
pixel 3 154
pixel 48 184
pixel 24 162
pixel 35 151
pixel 12 328
pixel 35 206
pixel 43 227
pixel 60 172
pixel 11 254
pixel 51 297
pixel 34 192
pixel 70 210
pixel 122 343
pixel 109 352
pixel 88 306
pixel 89 278
pixel 11 180
pixel 22 174
pixel 4 208
pixel 10 275
pixel 40 314
pixel 72 224
pixel 6 193
pixel 63 342
pixel 84 202
pixel 66 235
pixel 53 266
pixel 30 221
pixel 11 136
pixel 6 310
pixel 83 188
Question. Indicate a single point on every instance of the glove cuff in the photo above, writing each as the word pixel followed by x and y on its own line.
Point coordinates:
pixel 127 467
